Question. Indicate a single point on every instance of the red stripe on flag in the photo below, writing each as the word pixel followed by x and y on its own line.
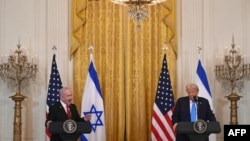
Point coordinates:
pixel 155 132
pixel 162 126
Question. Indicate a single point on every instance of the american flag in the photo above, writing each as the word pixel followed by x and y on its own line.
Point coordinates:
pixel 55 84
pixel 161 128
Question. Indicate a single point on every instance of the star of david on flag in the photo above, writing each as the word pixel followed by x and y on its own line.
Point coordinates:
pixel 92 103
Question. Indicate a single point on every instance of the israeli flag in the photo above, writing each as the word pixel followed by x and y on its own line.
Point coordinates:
pixel 204 89
pixel 92 103
pixel 202 82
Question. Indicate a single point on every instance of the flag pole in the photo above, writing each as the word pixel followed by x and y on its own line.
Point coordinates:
pixel 202 82
pixel 92 103
pixel 54 85
pixel 163 113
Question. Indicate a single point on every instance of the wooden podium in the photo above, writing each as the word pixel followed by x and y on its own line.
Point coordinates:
pixel 70 130
pixel 199 130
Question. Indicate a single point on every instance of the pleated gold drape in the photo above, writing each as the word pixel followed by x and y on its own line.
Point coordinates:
pixel 128 61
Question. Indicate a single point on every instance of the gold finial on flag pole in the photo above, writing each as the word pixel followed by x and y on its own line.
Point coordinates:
pixel 90 48
pixel 165 48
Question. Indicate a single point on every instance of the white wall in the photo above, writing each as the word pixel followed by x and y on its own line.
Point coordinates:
pixel 40 24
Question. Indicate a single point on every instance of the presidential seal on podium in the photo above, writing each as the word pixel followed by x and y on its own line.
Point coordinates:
pixel 200 126
pixel 69 126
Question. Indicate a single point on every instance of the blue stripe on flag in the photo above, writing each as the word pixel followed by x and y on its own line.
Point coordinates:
pixel 94 77
pixel 83 138
pixel 203 77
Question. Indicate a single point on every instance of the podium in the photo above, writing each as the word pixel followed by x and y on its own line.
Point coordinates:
pixel 199 130
pixel 70 130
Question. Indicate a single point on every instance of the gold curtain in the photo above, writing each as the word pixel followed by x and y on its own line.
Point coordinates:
pixel 128 61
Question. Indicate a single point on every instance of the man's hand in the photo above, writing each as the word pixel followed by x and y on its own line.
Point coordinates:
pixel 48 123
pixel 174 127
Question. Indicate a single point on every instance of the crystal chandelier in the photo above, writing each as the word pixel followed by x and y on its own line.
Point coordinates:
pixel 137 9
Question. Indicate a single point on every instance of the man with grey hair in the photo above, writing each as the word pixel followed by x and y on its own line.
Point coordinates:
pixel 63 110
pixel 183 109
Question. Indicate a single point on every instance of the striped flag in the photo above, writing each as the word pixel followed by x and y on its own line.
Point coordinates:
pixel 55 84
pixel 92 103
pixel 204 89
pixel 202 82
pixel 161 127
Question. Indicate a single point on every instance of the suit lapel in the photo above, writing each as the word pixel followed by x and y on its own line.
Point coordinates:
pixel 62 110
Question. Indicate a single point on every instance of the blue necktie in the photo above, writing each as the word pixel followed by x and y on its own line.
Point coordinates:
pixel 193 112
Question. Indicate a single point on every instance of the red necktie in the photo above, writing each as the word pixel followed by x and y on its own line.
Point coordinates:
pixel 68 112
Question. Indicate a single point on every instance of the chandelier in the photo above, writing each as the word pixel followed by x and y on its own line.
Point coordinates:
pixel 137 9
pixel 231 70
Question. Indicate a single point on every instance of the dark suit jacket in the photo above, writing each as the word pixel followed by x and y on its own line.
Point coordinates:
pixel 58 114
pixel 182 113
